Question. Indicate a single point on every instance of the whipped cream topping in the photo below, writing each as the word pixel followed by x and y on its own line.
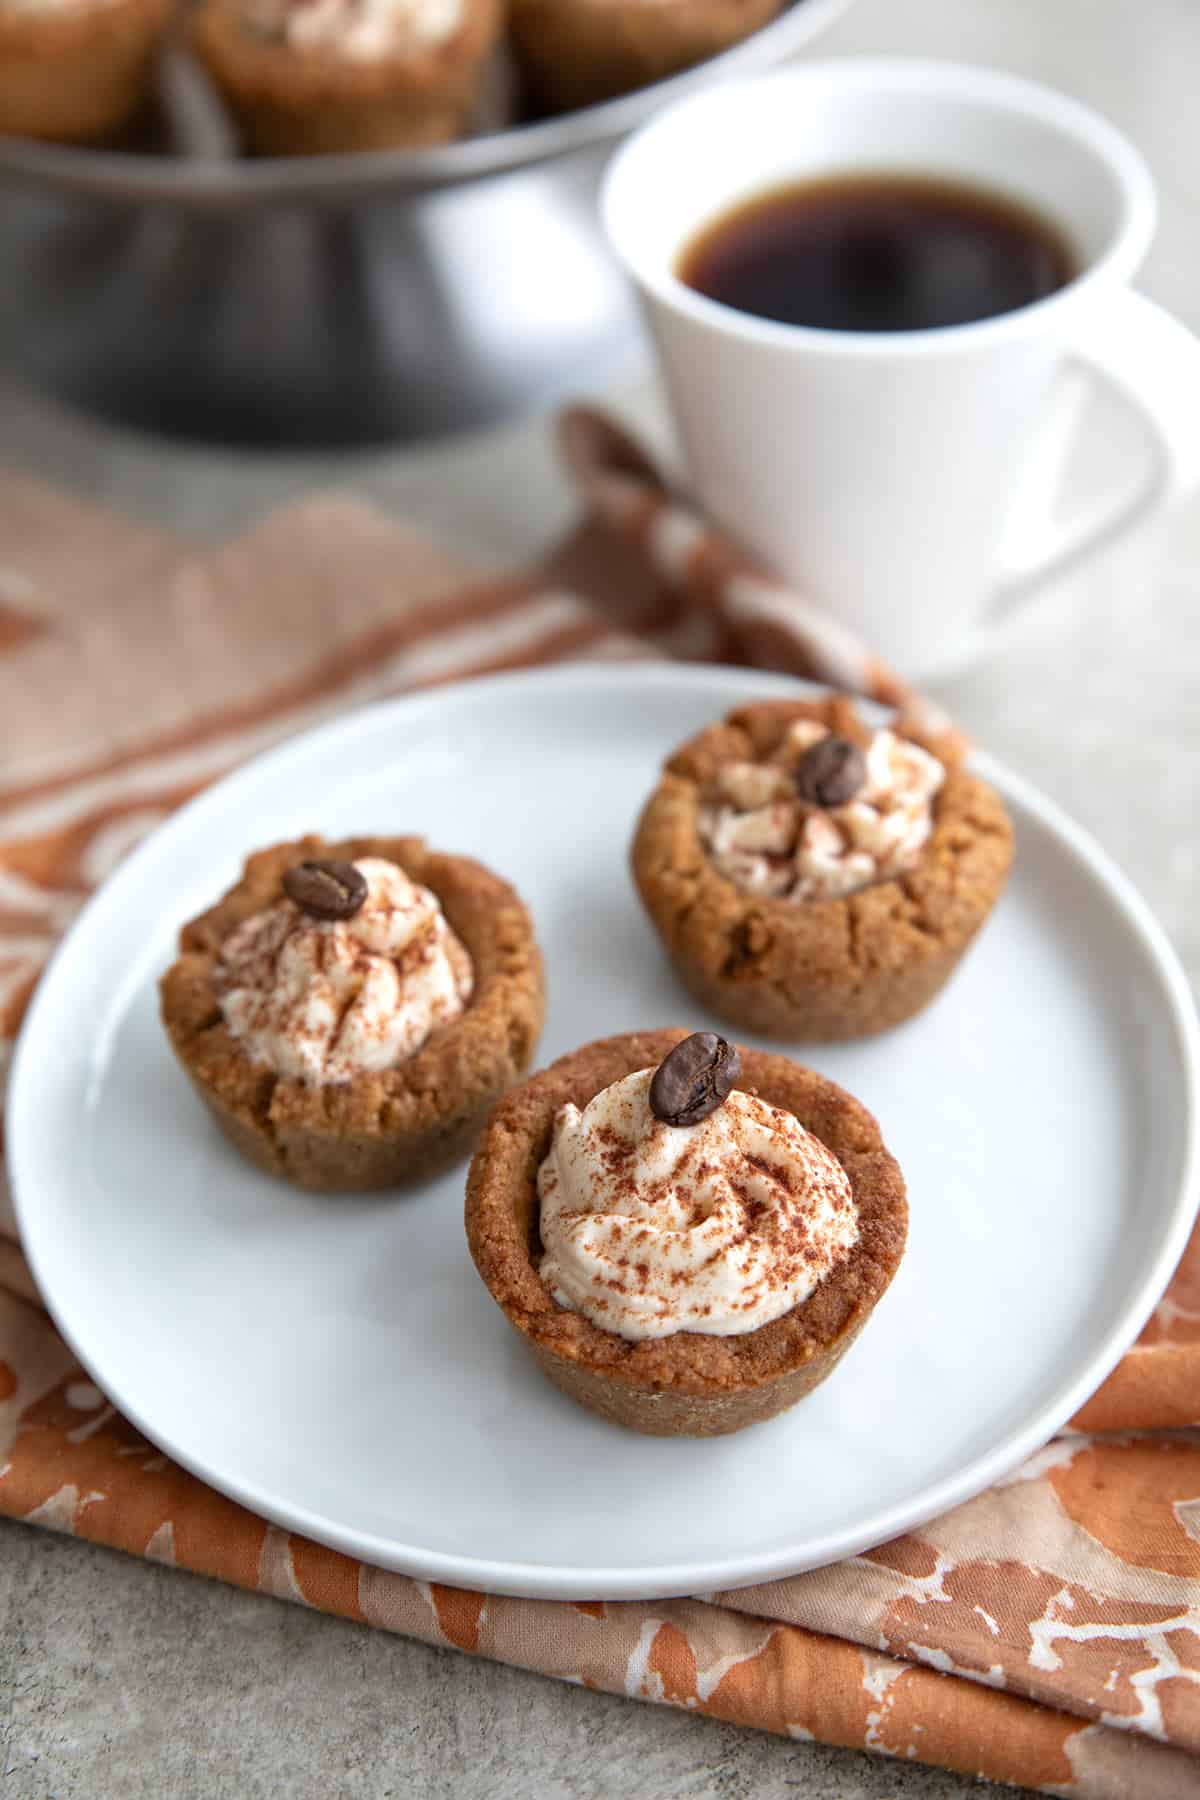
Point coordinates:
pixel 649 1229
pixel 360 30
pixel 323 1001
pixel 766 840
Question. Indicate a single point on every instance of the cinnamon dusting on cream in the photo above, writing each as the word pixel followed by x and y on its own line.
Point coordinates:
pixel 325 1000
pixel 719 1227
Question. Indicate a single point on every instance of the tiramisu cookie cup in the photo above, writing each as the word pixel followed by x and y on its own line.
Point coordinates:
pixel 351 1011
pixel 76 71
pixel 578 52
pixel 812 878
pixel 309 77
pixel 687 1238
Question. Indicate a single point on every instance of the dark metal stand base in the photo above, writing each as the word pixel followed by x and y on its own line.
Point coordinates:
pixel 392 322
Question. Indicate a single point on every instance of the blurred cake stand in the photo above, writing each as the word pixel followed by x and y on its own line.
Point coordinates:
pixel 334 301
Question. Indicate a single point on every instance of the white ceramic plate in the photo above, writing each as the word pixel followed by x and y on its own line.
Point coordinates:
pixel 337 1365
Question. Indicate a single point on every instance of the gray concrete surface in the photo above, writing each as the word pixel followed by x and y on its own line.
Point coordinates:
pixel 123 1683
pixel 121 1678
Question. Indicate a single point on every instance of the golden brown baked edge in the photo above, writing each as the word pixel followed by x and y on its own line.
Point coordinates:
pixel 308 102
pixel 824 970
pixel 576 53
pixel 396 1125
pixel 81 76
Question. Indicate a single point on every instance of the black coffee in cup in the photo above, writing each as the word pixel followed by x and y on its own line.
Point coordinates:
pixel 877 252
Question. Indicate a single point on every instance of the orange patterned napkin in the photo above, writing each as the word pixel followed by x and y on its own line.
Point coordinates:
pixel 1046 1633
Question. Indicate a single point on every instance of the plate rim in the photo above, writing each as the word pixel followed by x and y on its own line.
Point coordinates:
pixel 726 684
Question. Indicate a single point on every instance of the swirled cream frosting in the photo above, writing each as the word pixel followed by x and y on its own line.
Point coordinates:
pixel 765 840
pixel 360 30
pixel 326 1000
pixel 648 1228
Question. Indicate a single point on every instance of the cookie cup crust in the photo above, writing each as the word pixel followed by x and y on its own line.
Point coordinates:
pixel 690 1384
pixel 386 1127
pixel 578 52
pixel 816 970
pixel 78 76
pixel 311 102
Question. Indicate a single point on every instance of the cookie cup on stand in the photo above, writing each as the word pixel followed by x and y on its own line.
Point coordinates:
pixel 291 101
pixel 579 52
pixel 385 1127
pixel 816 970
pixel 79 75
pixel 690 1384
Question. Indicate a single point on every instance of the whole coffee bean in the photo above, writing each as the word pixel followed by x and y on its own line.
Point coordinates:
pixel 694 1079
pixel 831 772
pixel 325 890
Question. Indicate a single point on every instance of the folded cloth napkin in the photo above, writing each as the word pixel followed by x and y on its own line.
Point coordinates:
pixel 1046 1634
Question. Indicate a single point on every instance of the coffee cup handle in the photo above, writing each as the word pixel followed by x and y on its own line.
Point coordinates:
pixel 1151 362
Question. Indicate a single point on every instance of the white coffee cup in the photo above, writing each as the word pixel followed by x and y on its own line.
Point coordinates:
pixel 878 472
